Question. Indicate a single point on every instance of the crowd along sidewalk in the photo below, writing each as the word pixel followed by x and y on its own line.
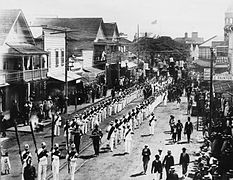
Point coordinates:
pixel 70 111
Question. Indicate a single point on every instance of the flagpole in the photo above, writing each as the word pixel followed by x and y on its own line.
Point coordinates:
pixel 138 42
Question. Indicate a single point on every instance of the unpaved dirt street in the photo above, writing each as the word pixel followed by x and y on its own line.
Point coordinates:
pixel 117 166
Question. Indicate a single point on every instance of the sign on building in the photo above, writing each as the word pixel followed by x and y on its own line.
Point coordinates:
pixel 223 77
pixel 221 60
pixel 206 74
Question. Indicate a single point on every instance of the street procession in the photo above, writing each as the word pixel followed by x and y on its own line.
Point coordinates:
pixel 125 90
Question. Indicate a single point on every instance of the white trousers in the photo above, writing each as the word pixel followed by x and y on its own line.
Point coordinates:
pixel 42 171
pixel 152 129
pixel 72 171
pixel 127 146
pixel 55 169
pixel 157 176
pixel 111 142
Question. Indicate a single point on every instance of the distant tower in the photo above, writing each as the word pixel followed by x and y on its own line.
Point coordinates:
pixel 228 34
pixel 228 22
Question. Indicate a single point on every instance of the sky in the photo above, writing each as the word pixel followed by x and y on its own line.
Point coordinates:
pixel 174 17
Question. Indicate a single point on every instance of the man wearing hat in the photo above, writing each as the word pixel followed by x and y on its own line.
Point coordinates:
pixel 43 162
pixel 184 161
pixel 111 135
pixel 161 156
pixel 25 155
pixel 72 159
pixel 168 161
pixel 77 136
pixel 157 167
pixel 96 136
pixel 152 120
pixel 29 172
pixel 128 138
pixel 56 161
pixel 145 157
pixel 172 123
pixel 188 129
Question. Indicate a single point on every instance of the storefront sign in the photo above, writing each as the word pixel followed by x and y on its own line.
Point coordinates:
pixel 206 73
pixel 221 60
pixel 223 77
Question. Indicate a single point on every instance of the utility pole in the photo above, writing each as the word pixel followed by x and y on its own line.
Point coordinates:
pixel 0 159
pixel 211 86
pixel 138 43
pixel 66 72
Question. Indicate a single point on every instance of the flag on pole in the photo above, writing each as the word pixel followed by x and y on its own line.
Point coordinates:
pixel 154 22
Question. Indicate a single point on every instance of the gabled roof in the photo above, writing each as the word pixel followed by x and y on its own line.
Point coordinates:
pixel 83 28
pixel 7 19
pixel 124 41
pixel 109 29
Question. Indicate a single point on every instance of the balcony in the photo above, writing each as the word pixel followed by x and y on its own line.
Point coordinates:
pixel 27 75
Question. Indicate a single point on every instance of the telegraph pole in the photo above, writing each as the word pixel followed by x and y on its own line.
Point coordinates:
pixel 211 86
pixel 66 72
pixel 138 43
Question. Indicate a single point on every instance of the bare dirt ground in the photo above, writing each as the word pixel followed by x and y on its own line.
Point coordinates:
pixel 117 166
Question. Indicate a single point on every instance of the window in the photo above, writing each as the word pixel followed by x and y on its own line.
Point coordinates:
pixel 62 57
pixel 49 58
pixel 57 58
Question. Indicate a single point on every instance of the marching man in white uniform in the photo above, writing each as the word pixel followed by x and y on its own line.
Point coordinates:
pixel 111 135
pixel 43 162
pixel 55 161
pixel 25 155
pixel 72 159
pixel 57 126
pixel 152 120
pixel 128 139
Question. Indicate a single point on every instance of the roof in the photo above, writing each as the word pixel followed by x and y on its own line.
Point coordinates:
pixel 7 19
pixel 94 70
pixel 109 29
pixel 202 63
pixel 124 41
pixel 84 28
pixel 26 49
pixel 71 76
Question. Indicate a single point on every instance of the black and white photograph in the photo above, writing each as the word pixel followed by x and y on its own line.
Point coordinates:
pixel 116 90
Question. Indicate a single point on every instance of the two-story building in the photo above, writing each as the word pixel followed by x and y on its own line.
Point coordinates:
pixel 22 64
pixel 53 40
pixel 90 40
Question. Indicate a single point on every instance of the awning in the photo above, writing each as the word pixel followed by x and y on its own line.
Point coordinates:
pixel 95 71
pixel 71 76
pixel 4 84
pixel 130 64
pixel 26 49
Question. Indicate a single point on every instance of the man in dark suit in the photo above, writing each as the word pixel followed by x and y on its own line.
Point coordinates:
pixel 145 157
pixel 184 161
pixel 168 161
pixel 188 129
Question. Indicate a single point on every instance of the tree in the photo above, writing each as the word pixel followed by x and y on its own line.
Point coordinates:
pixel 164 46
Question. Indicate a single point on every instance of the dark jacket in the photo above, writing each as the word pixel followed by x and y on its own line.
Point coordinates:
pixel 184 158
pixel 168 161
pixel 156 166
pixel 188 128
pixel 146 154
pixel 29 172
